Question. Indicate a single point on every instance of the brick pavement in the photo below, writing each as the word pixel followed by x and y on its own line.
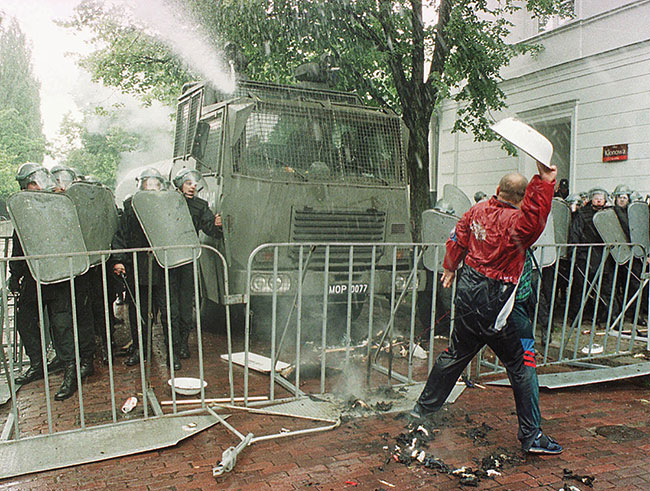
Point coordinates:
pixel 605 430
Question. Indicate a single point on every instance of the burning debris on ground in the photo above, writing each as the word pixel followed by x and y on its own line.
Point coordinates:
pixel 412 447
pixel 570 475
pixel 479 434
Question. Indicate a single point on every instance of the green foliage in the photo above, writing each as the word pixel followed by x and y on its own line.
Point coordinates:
pixel 21 137
pixel 126 57
pixel 96 152
pixel 383 49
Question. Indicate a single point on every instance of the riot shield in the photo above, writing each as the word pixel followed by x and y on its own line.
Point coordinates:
pixel 561 223
pixel 637 216
pixel 436 228
pixel 610 230
pixel 546 256
pixel 47 223
pixel 97 216
pixel 456 198
pixel 166 221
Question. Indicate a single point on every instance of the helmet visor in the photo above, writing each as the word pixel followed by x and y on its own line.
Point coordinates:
pixel 64 178
pixel 152 183
pixel 193 179
pixel 43 179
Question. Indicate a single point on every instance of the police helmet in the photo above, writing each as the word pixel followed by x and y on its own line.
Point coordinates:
pixel 622 189
pixel 64 175
pixel 185 175
pixel 444 206
pixel 636 196
pixel 151 180
pixel 31 172
pixel 595 191
pixel 573 198
pixel 24 171
pixel 479 195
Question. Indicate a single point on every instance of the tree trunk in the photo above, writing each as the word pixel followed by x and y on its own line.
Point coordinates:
pixel 417 164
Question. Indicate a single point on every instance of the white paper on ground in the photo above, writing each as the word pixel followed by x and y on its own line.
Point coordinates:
pixel 256 362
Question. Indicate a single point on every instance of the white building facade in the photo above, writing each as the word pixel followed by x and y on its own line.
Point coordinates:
pixel 588 91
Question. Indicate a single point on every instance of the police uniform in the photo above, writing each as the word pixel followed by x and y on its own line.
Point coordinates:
pixel 58 307
pixel 130 235
pixel 182 277
pixel 583 231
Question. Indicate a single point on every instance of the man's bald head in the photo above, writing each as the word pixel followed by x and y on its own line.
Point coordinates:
pixel 512 188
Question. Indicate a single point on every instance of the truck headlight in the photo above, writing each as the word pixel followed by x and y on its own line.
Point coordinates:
pixel 263 283
pixel 400 282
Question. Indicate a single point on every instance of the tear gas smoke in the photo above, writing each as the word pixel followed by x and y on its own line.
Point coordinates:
pixel 185 38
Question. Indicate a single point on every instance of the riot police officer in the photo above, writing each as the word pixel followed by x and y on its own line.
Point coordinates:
pixel 56 302
pixel 574 201
pixel 188 182
pixel 583 231
pixel 131 235
pixel 622 197
pixel 64 176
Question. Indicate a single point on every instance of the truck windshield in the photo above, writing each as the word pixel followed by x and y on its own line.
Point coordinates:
pixel 320 144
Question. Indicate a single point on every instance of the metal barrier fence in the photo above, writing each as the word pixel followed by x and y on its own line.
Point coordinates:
pixel 584 295
pixel 145 306
pixel 352 316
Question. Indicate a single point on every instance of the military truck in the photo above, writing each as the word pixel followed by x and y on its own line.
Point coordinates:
pixel 296 164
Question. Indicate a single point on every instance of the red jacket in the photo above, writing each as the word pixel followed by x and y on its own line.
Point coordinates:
pixel 492 237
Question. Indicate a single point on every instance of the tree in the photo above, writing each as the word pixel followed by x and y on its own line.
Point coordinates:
pixel 21 136
pixel 382 47
pixel 96 152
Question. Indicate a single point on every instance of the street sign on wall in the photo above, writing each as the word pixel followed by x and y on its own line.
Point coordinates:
pixel 615 152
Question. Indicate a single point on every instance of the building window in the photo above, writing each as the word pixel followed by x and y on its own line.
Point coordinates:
pixel 550 22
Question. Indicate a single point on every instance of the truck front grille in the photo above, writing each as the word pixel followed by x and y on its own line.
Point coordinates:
pixel 338 226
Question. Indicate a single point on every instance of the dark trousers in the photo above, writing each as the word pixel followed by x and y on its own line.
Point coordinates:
pixel 519 320
pixel 98 308
pixel 478 302
pixel 181 300
pixel 587 272
pixel 148 312
pixel 57 306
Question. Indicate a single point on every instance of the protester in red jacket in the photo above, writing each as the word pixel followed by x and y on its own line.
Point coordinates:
pixel 492 239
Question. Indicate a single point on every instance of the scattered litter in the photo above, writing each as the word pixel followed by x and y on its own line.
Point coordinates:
pixel 403 352
pixel 492 473
pixel 470 383
pixel 358 403
pixel 352 483
pixel 386 483
pixel 645 401
pixel 419 352
pixel 256 362
pixel 129 404
pixel 285 430
pixel 569 487
pixel 189 426
pixel 640 355
pixel 421 456
pixel 588 480
pixel 383 406
pixel 479 434
pixel 595 349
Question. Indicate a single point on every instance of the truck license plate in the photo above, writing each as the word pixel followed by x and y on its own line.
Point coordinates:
pixel 342 288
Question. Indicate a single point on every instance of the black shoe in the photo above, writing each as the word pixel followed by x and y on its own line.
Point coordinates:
pixel 418 412
pixel 177 362
pixel 134 359
pixel 56 365
pixel 34 372
pixel 69 385
pixel 86 367
pixel 184 351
